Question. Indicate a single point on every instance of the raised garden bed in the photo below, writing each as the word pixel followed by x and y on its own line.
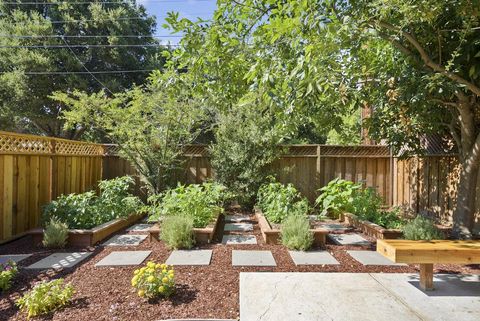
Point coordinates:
pixel 370 228
pixel 202 235
pixel 89 237
pixel 271 235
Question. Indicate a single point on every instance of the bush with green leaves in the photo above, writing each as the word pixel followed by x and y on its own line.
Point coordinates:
pixel 337 197
pixel 55 234
pixel 8 271
pixel 421 228
pixel 177 232
pixel 277 201
pixel 296 234
pixel 87 210
pixel 46 297
pixel 201 202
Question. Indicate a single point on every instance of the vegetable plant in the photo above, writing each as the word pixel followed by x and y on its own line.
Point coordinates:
pixel 421 228
pixel 336 197
pixel 46 297
pixel 154 280
pixel 296 234
pixel 8 271
pixel 55 234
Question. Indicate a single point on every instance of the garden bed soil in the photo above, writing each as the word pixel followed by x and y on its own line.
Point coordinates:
pixel 271 234
pixel 202 235
pixel 208 292
pixel 371 229
pixel 89 237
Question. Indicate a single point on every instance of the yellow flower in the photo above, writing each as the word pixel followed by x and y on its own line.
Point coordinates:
pixel 136 272
pixel 158 266
pixel 150 264
pixel 141 293
pixel 163 266
pixel 150 270
pixel 165 280
pixel 170 276
pixel 135 278
pixel 134 283
pixel 161 289
pixel 164 271
pixel 151 278
pixel 143 269
pixel 170 272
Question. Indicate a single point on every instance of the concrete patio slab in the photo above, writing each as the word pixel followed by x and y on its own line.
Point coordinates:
pixel 356 297
pixel 13 257
pixel 348 239
pixel 125 239
pixel 252 258
pixel 313 258
pixel 238 227
pixel 123 258
pixel 239 239
pixel 190 257
pixel 60 260
pixel 372 258
pixel 144 227
pixel 237 218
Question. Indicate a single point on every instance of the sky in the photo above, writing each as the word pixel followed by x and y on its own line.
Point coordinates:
pixel 187 8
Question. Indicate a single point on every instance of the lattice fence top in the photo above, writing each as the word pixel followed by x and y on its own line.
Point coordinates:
pixel 196 150
pixel 355 151
pixel 12 143
pixel 111 149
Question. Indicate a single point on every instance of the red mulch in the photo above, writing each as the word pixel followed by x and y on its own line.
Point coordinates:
pixel 202 292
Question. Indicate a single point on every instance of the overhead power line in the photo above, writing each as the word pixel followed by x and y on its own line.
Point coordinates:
pixel 83 72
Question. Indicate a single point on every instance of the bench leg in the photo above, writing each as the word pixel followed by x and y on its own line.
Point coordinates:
pixel 426 277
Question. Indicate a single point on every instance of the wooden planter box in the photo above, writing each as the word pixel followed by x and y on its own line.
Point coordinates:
pixel 272 236
pixel 372 229
pixel 202 235
pixel 89 237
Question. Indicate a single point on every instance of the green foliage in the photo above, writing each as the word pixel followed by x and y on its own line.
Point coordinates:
pixel 202 203
pixel 421 228
pixel 46 297
pixel 296 234
pixel 25 103
pixel 278 201
pixel 8 271
pixel 177 232
pixel 86 210
pixel 55 234
pixel 366 204
pixel 337 197
pixel 348 132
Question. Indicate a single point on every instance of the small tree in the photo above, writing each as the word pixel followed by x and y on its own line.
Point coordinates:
pixel 151 124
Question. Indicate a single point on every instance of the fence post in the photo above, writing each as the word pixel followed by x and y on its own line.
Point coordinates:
pixel 318 173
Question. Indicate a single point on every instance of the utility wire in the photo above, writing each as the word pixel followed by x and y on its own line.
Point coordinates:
pixel 31 73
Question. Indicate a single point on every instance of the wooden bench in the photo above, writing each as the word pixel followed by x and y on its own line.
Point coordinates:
pixel 427 253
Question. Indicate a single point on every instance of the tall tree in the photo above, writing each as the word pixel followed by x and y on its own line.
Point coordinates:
pixel 62 37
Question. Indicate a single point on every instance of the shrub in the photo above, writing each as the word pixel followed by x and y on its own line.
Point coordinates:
pixel 86 210
pixel 46 297
pixel 55 234
pixel 8 271
pixel 336 197
pixel 277 201
pixel 296 234
pixel 177 232
pixel 154 280
pixel 421 228
pixel 366 204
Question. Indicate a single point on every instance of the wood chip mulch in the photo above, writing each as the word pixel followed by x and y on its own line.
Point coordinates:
pixel 105 293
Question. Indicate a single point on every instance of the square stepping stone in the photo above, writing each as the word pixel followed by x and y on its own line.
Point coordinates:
pixel 140 227
pixel 124 258
pixel 372 258
pixel 238 227
pixel 13 257
pixel 313 258
pixel 237 218
pixel 239 239
pixel 253 258
pixel 60 260
pixel 125 239
pixel 190 257
pixel 348 239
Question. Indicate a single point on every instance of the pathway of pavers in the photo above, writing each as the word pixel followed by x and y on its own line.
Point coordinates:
pixel 60 260
pixel 13 257
pixel 123 258
pixel 237 218
pixel 252 258
pixel 238 227
pixel 372 258
pixel 239 239
pixel 143 227
pixel 125 239
pixel 313 258
pixel 348 239
pixel 190 257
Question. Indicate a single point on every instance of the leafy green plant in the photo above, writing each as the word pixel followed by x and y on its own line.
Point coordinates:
pixel 177 232
pixel 46 297
pixel 421 228
pixel 337 197
pixel 202 202
pixel 278 201
pixel 55 234
pixel 8 271
pixel 87 210
pixel 296 234
pixel 154 280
